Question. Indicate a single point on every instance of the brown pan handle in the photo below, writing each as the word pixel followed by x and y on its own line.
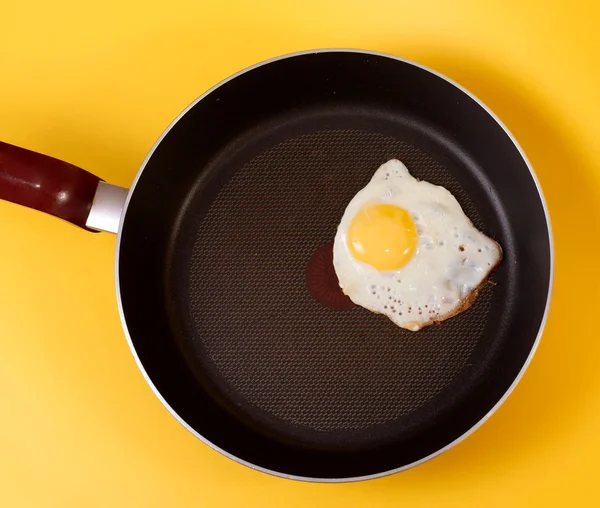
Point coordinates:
pixel 58 188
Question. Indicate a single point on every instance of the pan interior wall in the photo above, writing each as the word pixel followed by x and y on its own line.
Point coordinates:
pixel 227 211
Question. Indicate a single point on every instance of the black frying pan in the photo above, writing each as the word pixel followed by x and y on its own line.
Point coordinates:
pixel 232 215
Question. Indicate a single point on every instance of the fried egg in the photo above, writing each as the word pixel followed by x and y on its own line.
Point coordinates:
pixel 405 248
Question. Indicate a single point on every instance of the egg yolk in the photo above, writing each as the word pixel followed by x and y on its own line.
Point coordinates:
pixel 383 236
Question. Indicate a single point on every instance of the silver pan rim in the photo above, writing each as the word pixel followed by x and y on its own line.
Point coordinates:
pixel 440 450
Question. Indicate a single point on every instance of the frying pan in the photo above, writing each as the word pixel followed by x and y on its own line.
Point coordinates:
pixel 223 264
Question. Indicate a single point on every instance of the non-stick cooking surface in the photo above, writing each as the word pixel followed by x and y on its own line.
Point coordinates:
pixel 254 335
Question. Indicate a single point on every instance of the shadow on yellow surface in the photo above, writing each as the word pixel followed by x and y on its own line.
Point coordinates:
pixel 554 396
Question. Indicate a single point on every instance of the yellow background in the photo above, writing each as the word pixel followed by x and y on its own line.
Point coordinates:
pixel 95 83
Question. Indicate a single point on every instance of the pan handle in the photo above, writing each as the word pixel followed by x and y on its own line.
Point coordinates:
pixel 60 189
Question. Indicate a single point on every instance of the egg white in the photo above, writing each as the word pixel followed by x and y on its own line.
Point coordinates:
pixel 452 258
